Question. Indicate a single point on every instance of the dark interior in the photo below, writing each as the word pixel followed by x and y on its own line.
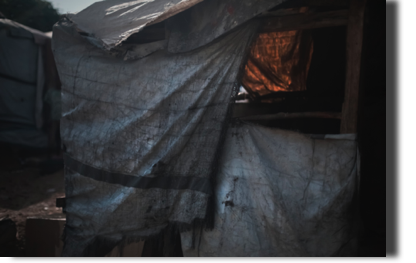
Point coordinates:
pixel 152 33
pixel 372 132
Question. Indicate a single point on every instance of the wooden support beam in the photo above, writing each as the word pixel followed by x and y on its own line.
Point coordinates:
pixel 328 3
pixel 283 12
pixel 354 46
pixel 305 21
pixel 293 115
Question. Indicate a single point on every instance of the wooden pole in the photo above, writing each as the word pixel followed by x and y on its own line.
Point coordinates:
pixel 292 115
pixel 304 21
pixel 354 46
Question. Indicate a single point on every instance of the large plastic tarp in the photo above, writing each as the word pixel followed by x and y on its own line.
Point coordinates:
pixel 141 136
pixel 112 21
pixel 22 81
pixel 18 56
pixel 191 23
pixel 282 193
pixel 18 30
pixel 17 102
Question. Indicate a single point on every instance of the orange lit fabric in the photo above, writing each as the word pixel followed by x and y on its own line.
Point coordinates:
pixel 278 61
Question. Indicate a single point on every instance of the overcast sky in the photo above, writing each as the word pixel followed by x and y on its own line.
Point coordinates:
pixel 71 6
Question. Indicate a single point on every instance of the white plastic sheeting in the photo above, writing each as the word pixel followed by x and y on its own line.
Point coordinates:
pixel 281 193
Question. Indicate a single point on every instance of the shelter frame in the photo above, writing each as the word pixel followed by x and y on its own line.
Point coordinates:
pixel 353 18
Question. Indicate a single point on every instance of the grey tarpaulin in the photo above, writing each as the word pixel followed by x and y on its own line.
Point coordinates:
pixel 17 102
pixel 281 193
pixel 141 136
pixel 112 21
pixel 22 82
pixel 192 23
pixel 14 50
pixel 210 19
pixel 21 31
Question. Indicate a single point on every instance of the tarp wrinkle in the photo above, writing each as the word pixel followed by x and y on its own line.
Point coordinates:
pixel 282 194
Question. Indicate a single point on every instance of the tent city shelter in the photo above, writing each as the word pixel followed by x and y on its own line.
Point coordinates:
pixel 157 146
pixel 30 88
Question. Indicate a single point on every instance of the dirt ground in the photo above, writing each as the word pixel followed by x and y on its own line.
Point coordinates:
pixel 28 192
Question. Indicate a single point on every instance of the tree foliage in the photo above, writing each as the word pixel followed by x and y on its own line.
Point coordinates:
pixel 38 14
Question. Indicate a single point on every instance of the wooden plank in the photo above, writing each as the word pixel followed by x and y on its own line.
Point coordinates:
pixel 43 236
pixel 328 3
pixel 354 46
pixel 305 21
pixel 283 12
pixel 293 115
pixel 134 249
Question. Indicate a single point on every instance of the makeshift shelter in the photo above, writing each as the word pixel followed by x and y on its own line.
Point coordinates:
pixel 29 83
pixel 152 148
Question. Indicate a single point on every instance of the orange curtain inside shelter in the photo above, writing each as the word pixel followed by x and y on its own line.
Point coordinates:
pixel 278 61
